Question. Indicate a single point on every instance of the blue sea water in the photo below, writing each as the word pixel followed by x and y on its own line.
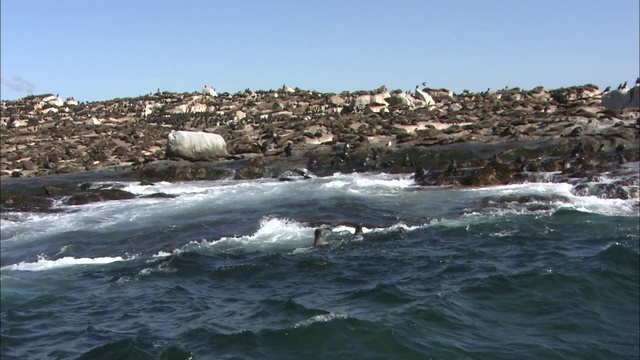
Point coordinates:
pixel 227 270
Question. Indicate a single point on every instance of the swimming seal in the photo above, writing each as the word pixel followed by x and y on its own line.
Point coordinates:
pixel 358 230
pixel 319 238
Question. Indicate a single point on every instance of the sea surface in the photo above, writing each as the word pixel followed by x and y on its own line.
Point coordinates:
pixel 227 270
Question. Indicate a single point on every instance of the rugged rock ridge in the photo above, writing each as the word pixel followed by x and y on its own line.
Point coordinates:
pixel 45 135
pixel 622 98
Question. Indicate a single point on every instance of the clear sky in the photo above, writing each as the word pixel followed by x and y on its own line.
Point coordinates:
pixel 99 50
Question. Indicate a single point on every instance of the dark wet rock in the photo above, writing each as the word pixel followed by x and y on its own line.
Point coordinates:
pixel 51 190
pixel 625 188
pixel 167 170
pixel 99 196
pixel 294 175
pixel 255 168
pixel 159 196
pixel 528 202
pixel 26 203
pixel 250 173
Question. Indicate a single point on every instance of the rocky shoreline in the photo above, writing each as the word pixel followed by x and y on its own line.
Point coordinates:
pixel 53 150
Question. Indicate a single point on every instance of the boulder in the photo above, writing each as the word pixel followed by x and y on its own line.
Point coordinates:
pixel 421 95
pixel 195 145
pixel 240 115
pixel 198 108
pixel 165 170
pixel 379 100
pixel 336 100
pixel 622 99
pixel 400 99
pixel 360 102
pixel 209 91
pixel 99 196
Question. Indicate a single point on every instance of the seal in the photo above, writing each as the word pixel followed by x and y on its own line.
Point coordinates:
pixel 288 150
pixel 319 238
pixel 341 156
pixel 358 230
pixel 264 147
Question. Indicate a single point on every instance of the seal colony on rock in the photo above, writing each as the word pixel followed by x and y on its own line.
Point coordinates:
pixel 377 130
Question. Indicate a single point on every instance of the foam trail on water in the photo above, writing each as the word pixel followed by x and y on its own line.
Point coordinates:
pixel 378 184
pixel 44 264
pixel 274 234
pixel 590 204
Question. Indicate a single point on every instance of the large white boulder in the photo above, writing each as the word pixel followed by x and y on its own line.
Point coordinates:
pixel 209 91
pixel 195 145
pixel 622 99
pixel 421 95
pixel 379 99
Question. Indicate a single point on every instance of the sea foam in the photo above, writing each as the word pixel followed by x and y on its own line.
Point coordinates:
pixel 45 264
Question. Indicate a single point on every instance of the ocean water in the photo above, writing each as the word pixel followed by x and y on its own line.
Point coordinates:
pixel 227 270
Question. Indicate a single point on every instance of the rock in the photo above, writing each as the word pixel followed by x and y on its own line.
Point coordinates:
pixel 360 102
pixel 421 95
pixel 25 203
pixel 625 188
pixel 400 99
pixel 336 100
pixel 375 109
pixel 159 196
pixel 292 175
pixel 378 100
pixel 240 115
pixel 28 165
pixel 98 196
pixel 165 170
pixel 51 190
pixel 622 99
pixel 195 145
pixel 250 173
pixel 208 91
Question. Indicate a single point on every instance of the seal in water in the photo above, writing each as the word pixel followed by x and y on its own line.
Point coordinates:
pixel 319 238
pixel 358 231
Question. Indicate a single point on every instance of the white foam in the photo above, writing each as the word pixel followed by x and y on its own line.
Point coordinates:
pixel 609 207
pixel 368 182
pixel 590 204
pixel 320 318
pixel 274 234
pixel 277 235
pixel 45 264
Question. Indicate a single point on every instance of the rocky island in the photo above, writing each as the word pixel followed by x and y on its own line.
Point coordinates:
pixel 51 147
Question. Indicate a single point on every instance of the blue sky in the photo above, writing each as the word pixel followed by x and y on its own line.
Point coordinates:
pixel 99 50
